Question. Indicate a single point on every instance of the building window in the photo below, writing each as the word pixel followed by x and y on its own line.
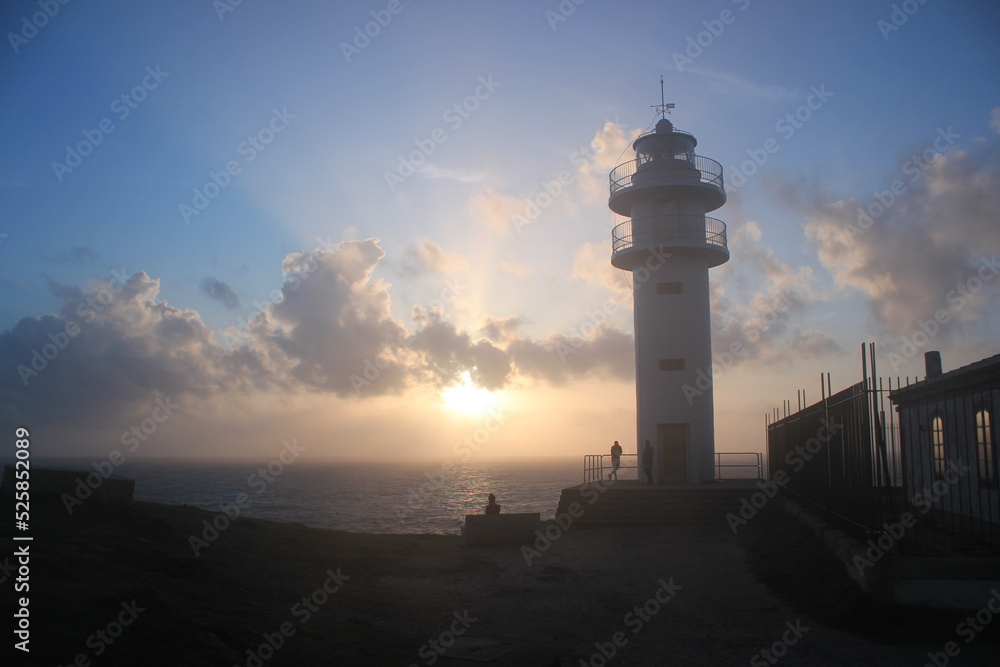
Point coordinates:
pixel 669 288
pixel 671 364
pixel 984 448
pixel 937 443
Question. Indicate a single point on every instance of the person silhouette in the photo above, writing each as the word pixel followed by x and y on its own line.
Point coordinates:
pixel 647 461
pixel 492 507
pixel 616 459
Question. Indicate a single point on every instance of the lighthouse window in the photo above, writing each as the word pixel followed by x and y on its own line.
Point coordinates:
pixel 671 364
pixel 669 288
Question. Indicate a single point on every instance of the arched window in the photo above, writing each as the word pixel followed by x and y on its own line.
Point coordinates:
pixel 937 444
pixel 985 450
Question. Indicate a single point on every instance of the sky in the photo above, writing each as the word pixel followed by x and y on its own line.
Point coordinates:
pixel 380 229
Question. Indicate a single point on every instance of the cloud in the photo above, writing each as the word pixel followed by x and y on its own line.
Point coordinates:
pixel 112 349
pixel 428 256
pixel 592 264
pixel 760 305
pixel 444 352
pixel 608 148
pixel 494 210
pixel 584 174
pixel 220 291
pixel 559 358
pixel 332 318
pixel 925 249
pixel 729 84
pixel 500 329
pixel 115 347
pixel 429 170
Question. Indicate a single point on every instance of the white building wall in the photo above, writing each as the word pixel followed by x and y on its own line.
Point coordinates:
pixel 671 327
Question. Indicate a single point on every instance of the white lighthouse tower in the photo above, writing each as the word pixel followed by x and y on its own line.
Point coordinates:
pixel 669 244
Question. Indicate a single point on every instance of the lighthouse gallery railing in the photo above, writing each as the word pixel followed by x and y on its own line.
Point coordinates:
pixel 668 229
pixel 709 171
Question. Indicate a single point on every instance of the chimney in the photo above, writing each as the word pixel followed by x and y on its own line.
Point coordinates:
pixel 932 364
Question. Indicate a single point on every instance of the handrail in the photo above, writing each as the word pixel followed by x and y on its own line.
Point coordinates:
pixel 709 171
pixel 757 465
pixel 593 466
pixel 669 229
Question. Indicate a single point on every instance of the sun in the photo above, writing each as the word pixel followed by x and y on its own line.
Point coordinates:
pixel 468 399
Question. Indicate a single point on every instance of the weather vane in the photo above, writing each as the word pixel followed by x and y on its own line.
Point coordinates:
pixel 662 108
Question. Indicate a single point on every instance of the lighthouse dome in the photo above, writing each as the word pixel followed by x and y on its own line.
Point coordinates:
pixel 664 126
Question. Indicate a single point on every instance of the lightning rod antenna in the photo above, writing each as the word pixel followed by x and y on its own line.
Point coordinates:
pixel 662 108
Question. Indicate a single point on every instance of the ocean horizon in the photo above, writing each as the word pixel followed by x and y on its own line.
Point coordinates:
pixel 416 496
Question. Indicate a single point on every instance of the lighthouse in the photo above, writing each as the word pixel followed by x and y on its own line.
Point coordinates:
pixel 668 243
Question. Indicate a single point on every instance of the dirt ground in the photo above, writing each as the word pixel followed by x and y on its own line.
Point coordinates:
pixel 124 587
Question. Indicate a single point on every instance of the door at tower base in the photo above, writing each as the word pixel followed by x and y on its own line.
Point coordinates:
pixel 672 442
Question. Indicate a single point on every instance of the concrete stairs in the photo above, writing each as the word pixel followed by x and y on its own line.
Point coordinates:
pixel 629 502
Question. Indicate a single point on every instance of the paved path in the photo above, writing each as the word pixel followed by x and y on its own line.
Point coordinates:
pixel 698 600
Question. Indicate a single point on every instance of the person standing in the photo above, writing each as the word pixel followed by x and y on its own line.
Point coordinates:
pixel 616 459
pixel 647 462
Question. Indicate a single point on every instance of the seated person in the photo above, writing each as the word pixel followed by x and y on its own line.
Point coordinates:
pixel 492 507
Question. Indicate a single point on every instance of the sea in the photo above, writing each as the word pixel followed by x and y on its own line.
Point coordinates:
pixel 372 497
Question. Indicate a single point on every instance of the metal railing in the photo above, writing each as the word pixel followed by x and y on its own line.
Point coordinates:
pixel 751 463
pixel 669 229
pixel 860 466
pixel 709 171
pixel 598 466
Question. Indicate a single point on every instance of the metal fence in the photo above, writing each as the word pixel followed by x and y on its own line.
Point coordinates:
pixel 739 465
pixel 728 465
pixel 598 466
pixel 853 461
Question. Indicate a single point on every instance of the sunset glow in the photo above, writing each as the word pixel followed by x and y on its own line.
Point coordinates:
pixel 467 399
pixel 314 236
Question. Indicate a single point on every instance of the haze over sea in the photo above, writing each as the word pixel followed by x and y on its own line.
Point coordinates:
pixel 375 497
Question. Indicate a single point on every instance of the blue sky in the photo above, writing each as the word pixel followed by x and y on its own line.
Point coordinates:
pixel 560 96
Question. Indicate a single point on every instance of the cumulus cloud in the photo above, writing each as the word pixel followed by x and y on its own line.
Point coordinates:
pixel 444 352
pixel 760 304
pixel 500 329
pixel 559 358
pixel 609 147
pixel 332 317
pixel 112 349
pixel 116 346
pixel 220 291
pixel 925 249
